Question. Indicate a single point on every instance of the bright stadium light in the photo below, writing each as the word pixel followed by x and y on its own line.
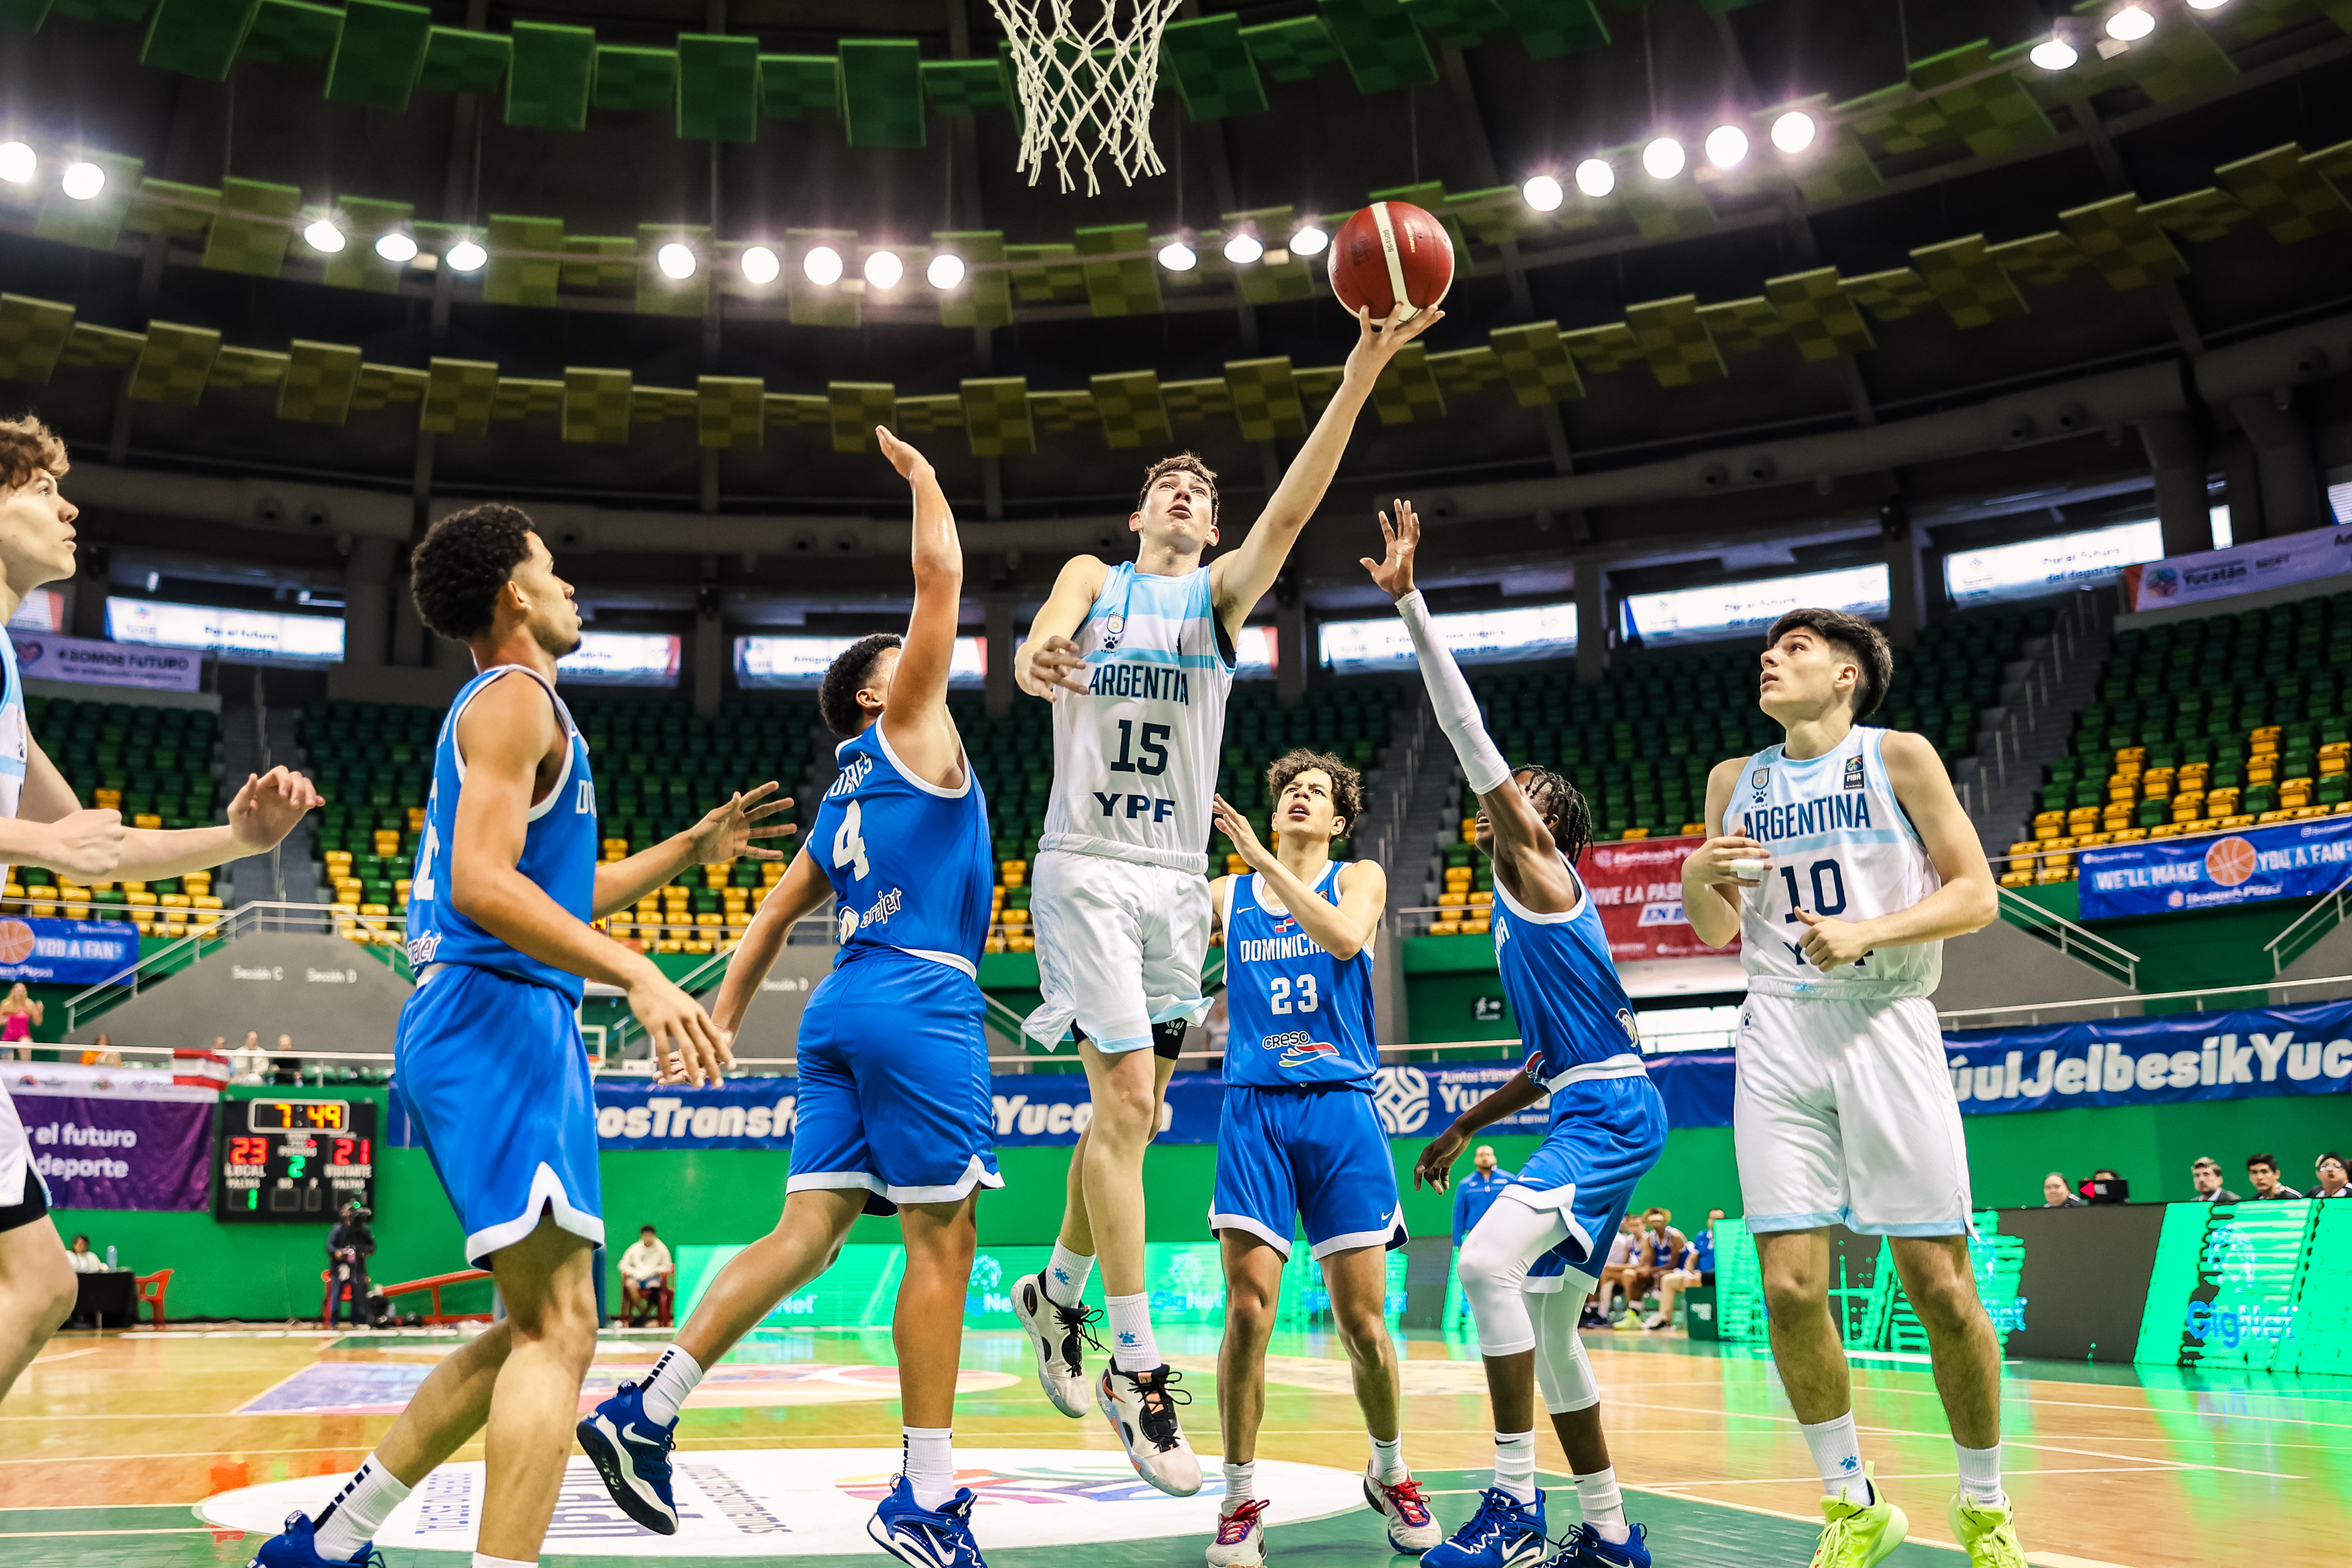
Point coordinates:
pixel 2207 4
pixel 822 265
pixel 2053 54
pixel 396 248
pixel 17 162
pixel 1543 194
pixel 2130 25
pixel 1794 131
pixel 466 255
pixel 83 180
pixel 1595 178
pixel 884 269
pixel 676 261
pixel 1241 249
pixel 324 236
pixel 1308 241
pixel 946 270
pixel 759 265
pixel 1726 146
pixel 1663 159
pixel 1178 257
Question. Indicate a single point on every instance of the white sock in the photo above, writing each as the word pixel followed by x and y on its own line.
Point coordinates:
pixel 667 1385
pixel 1603 1505
pixel 1241 1485
pixel 1132 1347
pixel 1514 1464
pixel 1066 1275
pixel 930 1464
pixel 358 1511
pixel 1388 1458
pixel 484 1559
pixel 1980 1473
pixel 1837 1457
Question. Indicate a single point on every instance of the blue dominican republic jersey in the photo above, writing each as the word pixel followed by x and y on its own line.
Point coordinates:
pixel 909 861
pixel 559 852
pixel 1297 1015
pixel 1572 1009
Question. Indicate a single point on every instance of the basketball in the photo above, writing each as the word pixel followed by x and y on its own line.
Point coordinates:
pixel 15 941
pixel 1391 254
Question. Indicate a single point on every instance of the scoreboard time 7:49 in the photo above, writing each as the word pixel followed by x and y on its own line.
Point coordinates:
pixel 294 1159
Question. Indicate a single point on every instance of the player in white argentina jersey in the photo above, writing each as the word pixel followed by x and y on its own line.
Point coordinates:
pixel 1137 659
pixel 1843 861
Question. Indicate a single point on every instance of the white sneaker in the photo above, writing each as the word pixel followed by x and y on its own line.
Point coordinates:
pixel 1411 1528
pixel 1057 1333
pixel 1655 1321
pixel 1143 1416
pixel 1241 1536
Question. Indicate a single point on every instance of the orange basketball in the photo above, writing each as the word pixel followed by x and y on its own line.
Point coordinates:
pixel 15 941
pixel 1391 253
pixel 2229 861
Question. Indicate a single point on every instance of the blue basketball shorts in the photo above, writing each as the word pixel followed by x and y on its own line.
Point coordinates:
pixel 1605 1135
pixel 495 1075
pixel 894 1085
pixel 1320 1155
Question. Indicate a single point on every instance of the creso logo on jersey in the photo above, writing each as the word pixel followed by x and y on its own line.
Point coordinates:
pixel 851 778
pixel 1129 678
pixel 1401 1094
pixel 1298 1048
pixel 1803 819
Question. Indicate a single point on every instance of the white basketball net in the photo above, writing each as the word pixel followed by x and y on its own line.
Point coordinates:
pixel 1087 70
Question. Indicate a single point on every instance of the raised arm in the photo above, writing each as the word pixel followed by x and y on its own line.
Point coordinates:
pixel 1048 662
pixel 799 894
pixel 916 721
pixel 1240 578
pixel 1343 929
pixel 1527 861
pixel 1967 902
pixel 52 830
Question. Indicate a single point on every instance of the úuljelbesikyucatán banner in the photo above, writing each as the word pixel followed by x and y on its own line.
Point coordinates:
pixel 116 1137
pixel 44 657
pixel 1637 885
pixel 66 952
pixel 2156 876
pixel 2244 1054
pixel 2241 568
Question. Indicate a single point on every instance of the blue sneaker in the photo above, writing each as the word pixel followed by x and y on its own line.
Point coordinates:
pixel 1583 1548
pixel 293 1547
pixel 1503 1533
pixel 631 1453
pixel 926 1537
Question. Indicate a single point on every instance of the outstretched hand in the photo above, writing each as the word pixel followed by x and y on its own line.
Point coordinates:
pixel 911 464
pixel 1435 1165
pixel 726 831
pixel 1236 827
pixel 1377 341
pixel 1394 572
pixel 268 806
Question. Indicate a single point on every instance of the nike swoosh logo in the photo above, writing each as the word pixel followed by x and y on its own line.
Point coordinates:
pixel 637 1434
pixel 931 1550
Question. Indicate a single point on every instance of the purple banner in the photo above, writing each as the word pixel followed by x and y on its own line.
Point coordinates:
pixel 106 1152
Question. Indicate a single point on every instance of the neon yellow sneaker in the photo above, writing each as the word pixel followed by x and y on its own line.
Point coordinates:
pixel 1988 1533
pixel 1853 1536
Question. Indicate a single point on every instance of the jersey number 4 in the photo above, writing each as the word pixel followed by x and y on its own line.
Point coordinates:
pixel 1280 987
pixel 849 844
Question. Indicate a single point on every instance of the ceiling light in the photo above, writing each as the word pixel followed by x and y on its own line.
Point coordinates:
pixel 17 162
pixel 1308 241
pixel 822 265
pixel 1543 194
pixel 758 265
pixel 2207 4
pixel 396 248
pixel 884 269
pixel 325 235
pixel 676 261
pixel 2130 24
pixel 83 180
pixel 1726 145
pixel 1241 249
pixel 1663 159
pixel 1794 131
pixel 2053 54
pixel 1595 178
pixel 465 257
pixel 1176 257
pixel 946 270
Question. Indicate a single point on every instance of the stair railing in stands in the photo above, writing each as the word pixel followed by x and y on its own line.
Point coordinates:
pixel 2069 938
pixel 385 932
pixel 2312 925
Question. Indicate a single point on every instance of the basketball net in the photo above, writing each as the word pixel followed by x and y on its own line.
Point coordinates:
pixel 1086 86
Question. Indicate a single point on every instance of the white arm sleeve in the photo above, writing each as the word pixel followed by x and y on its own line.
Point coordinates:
pixel 1449 694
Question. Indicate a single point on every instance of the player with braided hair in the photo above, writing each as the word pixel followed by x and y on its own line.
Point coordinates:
pixel 1528 1264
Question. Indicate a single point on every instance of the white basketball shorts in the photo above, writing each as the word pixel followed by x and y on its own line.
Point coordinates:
pixel 1119 948
pixel 1844 1115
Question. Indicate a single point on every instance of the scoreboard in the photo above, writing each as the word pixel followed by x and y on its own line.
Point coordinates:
pixel 294 1159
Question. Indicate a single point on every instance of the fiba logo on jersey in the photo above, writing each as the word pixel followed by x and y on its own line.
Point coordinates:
pixel 1401 1094
pixel 1853 771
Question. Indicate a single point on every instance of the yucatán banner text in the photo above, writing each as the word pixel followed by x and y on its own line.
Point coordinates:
pixel 2153 877
pixel 2243 1054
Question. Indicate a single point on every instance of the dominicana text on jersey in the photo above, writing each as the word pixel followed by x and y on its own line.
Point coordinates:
pixel 1136 758
pixel 1842 848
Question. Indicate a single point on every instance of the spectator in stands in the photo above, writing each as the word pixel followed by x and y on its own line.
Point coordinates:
pixel 1474 1194
pixel 101 1053
pixel 1618 1273
pixel 285 1067
pixel 248 1063
pixel 2334 1181
pixel 2057 1194
pixel 19 1015
pixel 2262 1171
pixel 646 1271
pixel 2206 1176
pixel 83 1259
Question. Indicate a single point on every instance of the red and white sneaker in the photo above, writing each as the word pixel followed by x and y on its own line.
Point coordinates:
pixel 1411 1528
pixel 1241 1536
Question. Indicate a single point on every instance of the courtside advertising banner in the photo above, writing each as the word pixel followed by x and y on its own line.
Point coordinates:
pixel 2244 1054
pixel 2241 568
pixel 1637 885
pixel 113 1137
pixel 2156 876
pixel 66 952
